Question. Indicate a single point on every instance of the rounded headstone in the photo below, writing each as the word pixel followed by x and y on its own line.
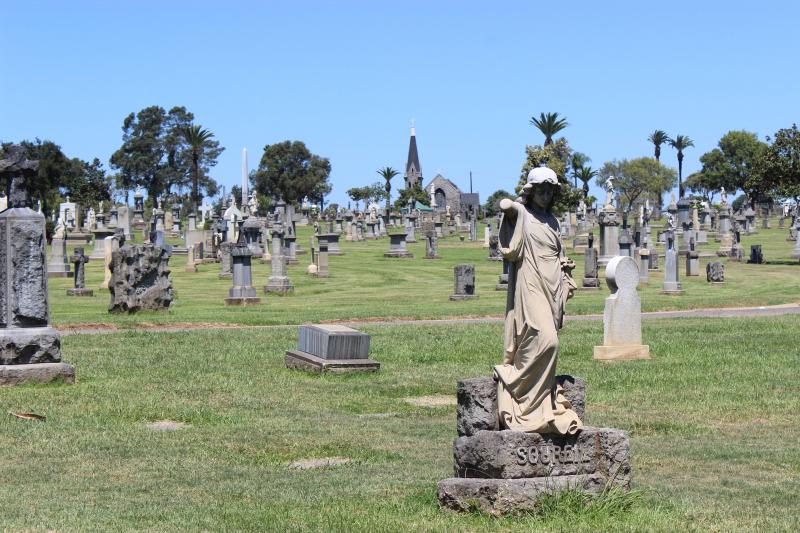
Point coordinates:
pixel 622 273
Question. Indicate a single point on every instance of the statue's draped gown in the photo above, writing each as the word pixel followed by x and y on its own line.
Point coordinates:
pixel 528 397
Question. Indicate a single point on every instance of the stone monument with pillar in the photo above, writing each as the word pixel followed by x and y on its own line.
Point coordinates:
pixel 30 350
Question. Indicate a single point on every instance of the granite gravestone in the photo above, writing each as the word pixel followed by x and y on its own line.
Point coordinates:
pixel 79 260
pixel 671 284
pixel 715 273
pixel 30 350
pixel 590 279
pixel 242 292
pixel 464 287
pixel 692 260
pixel 622 317
pixel 502 281
pixel 58 267
pixel 756 255
pixel 331 348
pixel 278 282
pixel 225 260
pixel 322 259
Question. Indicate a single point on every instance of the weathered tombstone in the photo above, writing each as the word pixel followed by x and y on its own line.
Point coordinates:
pixel 622 317
pixel 322 259
pixel 124 220
pixel 494 249
pixel 58 267
pixel 108 248
pixel 79 260
pixel 756 255
pixel 397 246
pixel 590 279
pixel 692 260
pixel 30 350
pixel 502 282
pixel 140 279
pixel 796 251
pixel 225 260
pixel 737 250
pixel 431 241
pixel 290 249
pixel 715 273
pixel 331 348
pixel 724 232
pixel 671 283
pixel 242 292
pixel 99 249
pixel 410 225
pixel 644 266
pixel 464 287
pixel 191 265
pixel 312 267
pixel 278 282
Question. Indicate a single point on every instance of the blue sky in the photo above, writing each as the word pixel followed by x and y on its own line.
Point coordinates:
pixel 347 78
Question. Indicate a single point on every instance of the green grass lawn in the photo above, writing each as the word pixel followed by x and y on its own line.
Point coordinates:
pixel 365 285
pixel 712 418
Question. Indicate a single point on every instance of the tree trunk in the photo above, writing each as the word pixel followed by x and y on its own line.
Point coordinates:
pixel 195 181
pixel 680 175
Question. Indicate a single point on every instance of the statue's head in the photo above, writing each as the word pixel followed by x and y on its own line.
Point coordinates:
pixel 540 189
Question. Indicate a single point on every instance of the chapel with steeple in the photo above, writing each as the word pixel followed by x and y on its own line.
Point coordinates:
pixel 413 175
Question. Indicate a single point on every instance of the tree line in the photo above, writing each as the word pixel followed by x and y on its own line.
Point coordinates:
pixel 167 154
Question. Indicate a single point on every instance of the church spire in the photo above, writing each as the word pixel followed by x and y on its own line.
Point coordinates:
pixel 413 174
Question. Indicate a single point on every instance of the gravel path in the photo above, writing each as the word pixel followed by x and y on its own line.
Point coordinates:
pixel 773 310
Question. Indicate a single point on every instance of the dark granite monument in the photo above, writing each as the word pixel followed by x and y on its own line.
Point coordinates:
pixel 79 260
pixel 30 350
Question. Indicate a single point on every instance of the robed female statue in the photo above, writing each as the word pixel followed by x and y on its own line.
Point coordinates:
pixel 539 283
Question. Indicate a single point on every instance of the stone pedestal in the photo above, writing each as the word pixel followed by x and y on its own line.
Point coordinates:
pixel 501 472
pixel 397 246
pixel 331 348
pixel 609 236
pixel 242 293
pixel 692 263
pixel 99 249
pixel 333 243
pixel 644 266
pixel 278 282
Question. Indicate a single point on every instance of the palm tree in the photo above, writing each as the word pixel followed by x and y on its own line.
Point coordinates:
pixel 680 143
pixel 549 125
pixel 577 162
pixel 196 137
pixel 388 173
pixel 658 138
pixel 585 174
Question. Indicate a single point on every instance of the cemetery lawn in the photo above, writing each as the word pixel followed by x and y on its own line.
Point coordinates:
pixel 363 285
pixel 712 418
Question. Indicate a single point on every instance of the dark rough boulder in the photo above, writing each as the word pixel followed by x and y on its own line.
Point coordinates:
pixel 140 279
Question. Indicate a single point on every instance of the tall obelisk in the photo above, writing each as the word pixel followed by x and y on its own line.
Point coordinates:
pixel 244 180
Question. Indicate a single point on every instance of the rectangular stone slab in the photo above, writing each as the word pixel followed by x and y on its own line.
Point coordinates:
pixel 333 342
pixel 11 375
pixel 306 361
pixel 514 454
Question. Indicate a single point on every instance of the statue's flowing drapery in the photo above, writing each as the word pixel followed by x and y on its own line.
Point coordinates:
pixel 538 287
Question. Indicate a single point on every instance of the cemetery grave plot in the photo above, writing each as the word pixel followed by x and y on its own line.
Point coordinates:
pixel 711 424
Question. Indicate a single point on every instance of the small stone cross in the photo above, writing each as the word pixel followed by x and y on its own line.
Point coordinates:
pixel 79 260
